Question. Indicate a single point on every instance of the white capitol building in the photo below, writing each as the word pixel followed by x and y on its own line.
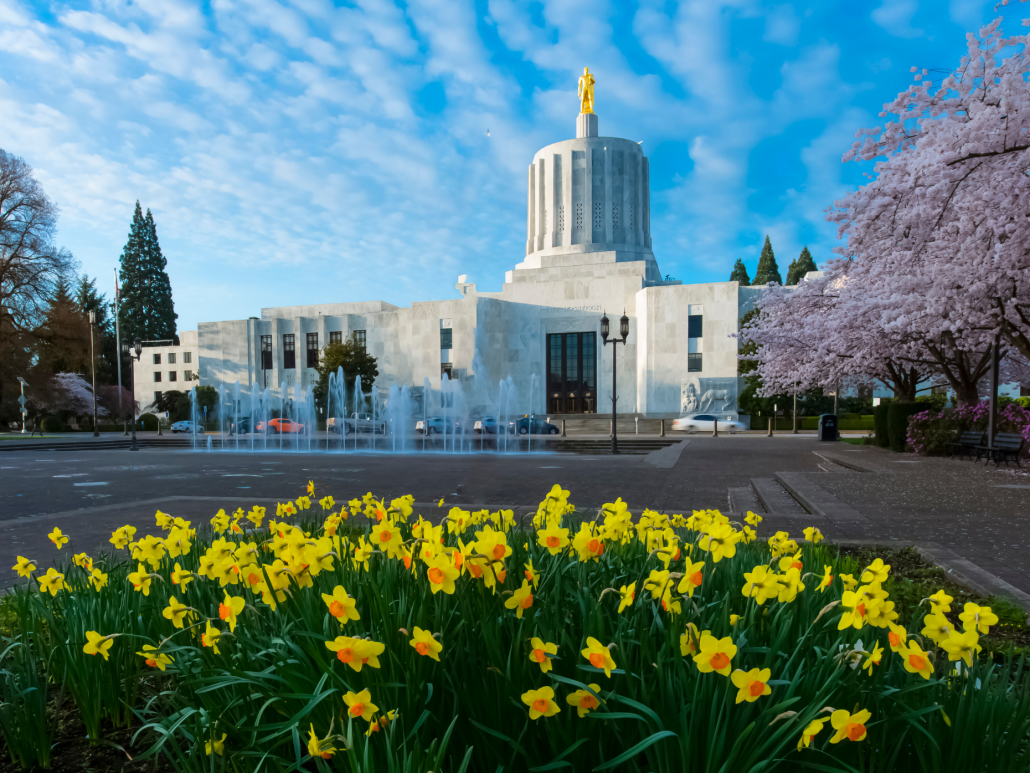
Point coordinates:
pixel 588 250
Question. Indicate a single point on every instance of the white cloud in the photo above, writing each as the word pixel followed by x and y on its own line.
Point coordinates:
pixel 782 26
pixel 969 13
pixel 895 16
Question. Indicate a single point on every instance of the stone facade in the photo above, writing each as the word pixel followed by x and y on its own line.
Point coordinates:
pixel 679 356
pixel 166 368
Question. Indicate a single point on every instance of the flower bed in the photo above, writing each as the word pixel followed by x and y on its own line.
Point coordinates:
pixel 929 432
pixel 365 637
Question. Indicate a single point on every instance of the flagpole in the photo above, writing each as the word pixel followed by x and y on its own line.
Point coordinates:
pixel 118 349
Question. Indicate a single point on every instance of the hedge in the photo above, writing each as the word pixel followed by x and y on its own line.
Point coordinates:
pixel 897 422
pixel 880 425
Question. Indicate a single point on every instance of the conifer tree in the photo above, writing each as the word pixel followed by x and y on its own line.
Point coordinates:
pixel 800 267
pixel 767 271
pixel 64 335
pixel 740 273
pixel 146 309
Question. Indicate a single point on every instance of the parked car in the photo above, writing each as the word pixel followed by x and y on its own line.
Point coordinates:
pixel 525 425
pixel 356 422
pixel 705 422
pixel 186 426
pixel 487 424
pixel 435 425
pixel 275 426
pixel 240 425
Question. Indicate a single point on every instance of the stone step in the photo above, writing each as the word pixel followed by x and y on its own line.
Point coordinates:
pixel 626 445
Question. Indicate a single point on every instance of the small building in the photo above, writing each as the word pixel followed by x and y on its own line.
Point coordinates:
pixel 167 368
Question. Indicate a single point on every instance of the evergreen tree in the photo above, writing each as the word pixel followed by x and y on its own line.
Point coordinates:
pixel 87 299
pixel 146 309
pixel 740 273
pixel 63 336
pixel 800 267
pixel 767 271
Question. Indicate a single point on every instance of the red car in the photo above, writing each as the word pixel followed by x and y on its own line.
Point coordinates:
pixel 275 426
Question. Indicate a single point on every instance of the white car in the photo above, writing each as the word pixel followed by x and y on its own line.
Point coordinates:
pixel 705 422
pixel 186 426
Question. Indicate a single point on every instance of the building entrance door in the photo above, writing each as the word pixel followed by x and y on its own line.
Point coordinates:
pixel 572 373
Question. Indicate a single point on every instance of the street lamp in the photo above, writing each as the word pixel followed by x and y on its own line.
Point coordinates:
pixel 137 350
pixel 624 332
pixel 93 365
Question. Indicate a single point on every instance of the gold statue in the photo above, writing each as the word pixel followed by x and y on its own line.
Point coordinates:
pixel 586 91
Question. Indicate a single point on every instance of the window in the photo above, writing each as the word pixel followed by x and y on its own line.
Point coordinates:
pixel 157 359
pixel 187 357
pixel 157 377
pixel 312 350
pixel 335 337
pixel 693 363
pixel 694 326
pixel 187 375
pixel 359 339
pixel 266 353
pixel 171 358
pixel 571 373
pixel 1024 391
pixel 447 369
pixel 157 397
pixel 289 352
pixel 446 338
pixel 173 375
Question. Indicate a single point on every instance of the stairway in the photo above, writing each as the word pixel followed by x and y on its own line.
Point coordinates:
pixel 627 445
pixel 601 423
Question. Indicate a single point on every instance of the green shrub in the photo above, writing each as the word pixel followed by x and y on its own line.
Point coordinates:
pixel 880 425
pixel 149 422
pixel 52 424
pixel 897 422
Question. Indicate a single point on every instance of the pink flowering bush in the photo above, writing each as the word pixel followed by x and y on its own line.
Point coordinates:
pixel 929 432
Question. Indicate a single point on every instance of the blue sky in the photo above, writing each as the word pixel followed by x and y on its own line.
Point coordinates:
pixel 310 152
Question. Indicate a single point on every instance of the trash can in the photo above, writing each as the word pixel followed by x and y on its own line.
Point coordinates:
pixel 828 426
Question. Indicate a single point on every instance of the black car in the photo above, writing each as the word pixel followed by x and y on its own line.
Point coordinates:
pixel 240 426
pixel 525 426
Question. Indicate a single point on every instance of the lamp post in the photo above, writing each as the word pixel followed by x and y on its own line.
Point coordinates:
pixel 624 332
pixel 93 365
pixel 134 355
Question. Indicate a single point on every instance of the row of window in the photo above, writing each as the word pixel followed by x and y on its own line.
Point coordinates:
pixel 187 358
pixel 187 375
pixel 289 348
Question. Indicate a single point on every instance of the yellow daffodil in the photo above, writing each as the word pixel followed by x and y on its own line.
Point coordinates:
pixel 181 577
pixel 896 637
pixel 692 577
pixel 440 503
pixel 356 653
pixel 814 728
pixel 359 705
pixel 975 617
pixel 813 535
pixel 82 561
pixel 441 574
pixel 97 644
pixel 762 584
pixel 848 725
pixel 916 661
pixel 599 656
pixel 720 540
pixel 734 619
pixel 175 611
pixel 850 583
pixel 962 646
pixel 751 685
pixel 210 637
pixel 532 574
pixel 140 580
pixel 541 703
pixel 121 538
pixel 540 652
pixel 877 571
pixel 311 488
pixel 752 519
pixel 825 578
pixel 656 582
pixel 97 579
pixel 553 538
pixel 51 582
pixel 341 606
pixel 216 746
pixel 521 599
pixel 327 502
pixel 791 562
pixel 425 644
pixel 320 748
pixel 791 585
pixel 873 658
pixel 627 595
pixel 584 700
pixel 155 659
pixel 230 607
pixel 57 538
pixel 715 655
pixel 691 639
pixel 24 567
pixel 937 627
pixel 940 602
pixel 854 611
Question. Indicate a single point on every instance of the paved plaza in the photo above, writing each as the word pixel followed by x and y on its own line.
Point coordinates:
pixel 978 512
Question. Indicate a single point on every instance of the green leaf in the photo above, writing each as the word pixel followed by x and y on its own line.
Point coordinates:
pixel 630 753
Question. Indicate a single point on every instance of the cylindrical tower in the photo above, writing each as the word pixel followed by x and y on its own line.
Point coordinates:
pixel 590 194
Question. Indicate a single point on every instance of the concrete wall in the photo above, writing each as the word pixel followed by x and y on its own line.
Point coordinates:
pixel 145 368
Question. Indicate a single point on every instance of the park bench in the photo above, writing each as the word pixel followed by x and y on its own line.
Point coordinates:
pixel 967 442
pixel 1006 446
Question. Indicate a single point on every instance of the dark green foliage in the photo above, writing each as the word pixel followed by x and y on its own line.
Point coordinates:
pixel 800 267
pixel 175 404
pixel 767 270
pixel 63 338
pixel 149 422
pixel 146 309
pixel 897 422
pixel 740 273
pixel 87 299
pixel 880 421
